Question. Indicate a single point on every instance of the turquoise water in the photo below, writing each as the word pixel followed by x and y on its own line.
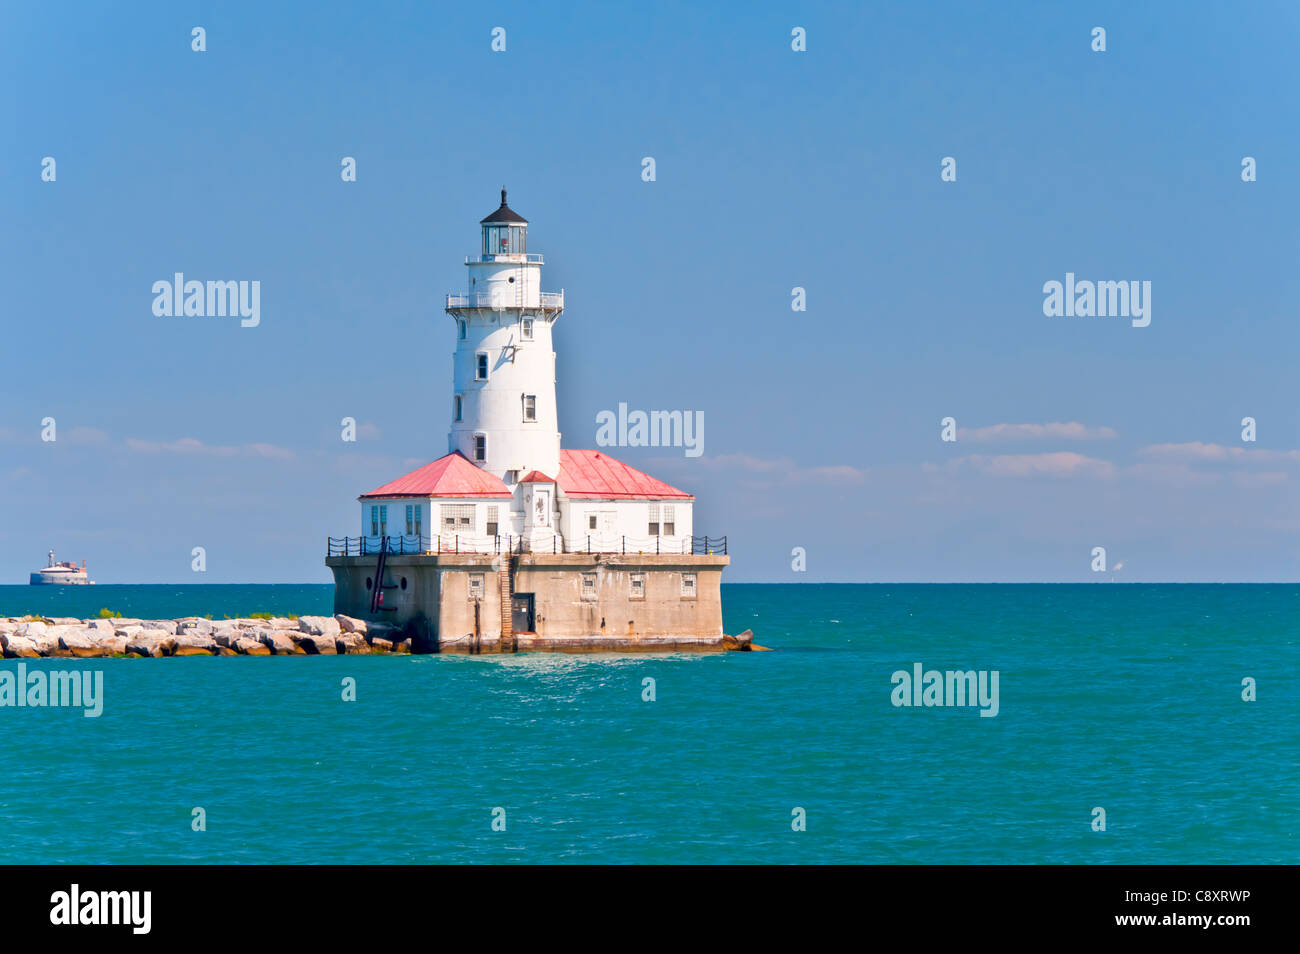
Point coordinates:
pixel 1126 697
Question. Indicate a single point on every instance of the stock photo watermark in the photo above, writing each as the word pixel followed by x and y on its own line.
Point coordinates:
pixel 179 298
pixel 625 428
pixel 955 688
pixel 53 689
pixel 1102 299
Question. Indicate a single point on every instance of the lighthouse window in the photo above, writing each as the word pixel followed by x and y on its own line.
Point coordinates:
pixel 526 329
pixel 460 408
pixel 589 586
pixel 638 586
pixel 492 524
pixel 688 585
pixel 530 407
pixel 457 518
pixel 480 447
pixel 669 524
pixel 654 520
pixel 374 521
pixel 504 240
pixel 460 329
pixel 591 521
pixel 481 367
pixel 476 586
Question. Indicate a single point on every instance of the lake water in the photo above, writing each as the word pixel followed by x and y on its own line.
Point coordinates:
pixel 1125 697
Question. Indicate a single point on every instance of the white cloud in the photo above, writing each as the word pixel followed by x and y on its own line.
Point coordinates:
pixel 1058 464
pixel 1196 450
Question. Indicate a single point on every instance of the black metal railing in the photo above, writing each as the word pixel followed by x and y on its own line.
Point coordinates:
pixel 707 546
pixel 510 543
pixel 370 546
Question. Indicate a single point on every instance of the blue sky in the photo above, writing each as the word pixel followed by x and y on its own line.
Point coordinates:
pixel 774 169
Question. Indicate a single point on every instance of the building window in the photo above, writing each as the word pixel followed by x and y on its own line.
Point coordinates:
pixel 379 521
pixel 589 586
pixel 591 521
pixel 526 329
pixel 669 523
pixel 638 586
pixel 476 586
pixel 654 520
pixel 374 521
pixel 461 329
pixel 457 518
pixel 414 519
pixel 480 447
pixel 492 525
pixel 530 407
pixel 459 408
pixel 481 367
pixel 688 586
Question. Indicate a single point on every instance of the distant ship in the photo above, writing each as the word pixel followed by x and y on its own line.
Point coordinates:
pixel 61 574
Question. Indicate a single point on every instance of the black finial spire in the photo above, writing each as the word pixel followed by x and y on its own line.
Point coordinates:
pixel 503 197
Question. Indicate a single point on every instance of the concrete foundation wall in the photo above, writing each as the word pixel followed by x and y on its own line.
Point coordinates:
pixel 439 602
pixel 615 609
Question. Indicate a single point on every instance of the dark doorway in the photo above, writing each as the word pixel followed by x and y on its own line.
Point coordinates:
pixel 522 612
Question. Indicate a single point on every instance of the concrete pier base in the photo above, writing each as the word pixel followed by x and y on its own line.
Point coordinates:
pixel 543 602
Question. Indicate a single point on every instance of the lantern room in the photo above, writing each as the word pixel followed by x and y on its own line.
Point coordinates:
pixel 505 232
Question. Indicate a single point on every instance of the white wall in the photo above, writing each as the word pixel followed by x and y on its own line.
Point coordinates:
pixel 516 367
pixel 619 519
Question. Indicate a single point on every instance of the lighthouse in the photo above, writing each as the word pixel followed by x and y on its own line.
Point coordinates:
pixel 509 541
pixel 503 408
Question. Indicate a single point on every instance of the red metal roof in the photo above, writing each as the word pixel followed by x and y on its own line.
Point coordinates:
pixel 593 474
pixel 450 476
pixel 536 477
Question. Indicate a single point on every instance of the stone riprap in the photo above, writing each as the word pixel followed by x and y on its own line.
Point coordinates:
pixel 30 637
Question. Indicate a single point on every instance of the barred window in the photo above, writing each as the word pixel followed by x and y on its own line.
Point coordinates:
pixel 589 586
pixel 530 407
pixel 476 586
pixel 492 525
pixel 638 586
pixel 688 584
pixel 654 520
pixel 669 524
pixel 457 518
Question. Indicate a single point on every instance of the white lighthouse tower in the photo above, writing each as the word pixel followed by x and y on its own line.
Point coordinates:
pixel 503 414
